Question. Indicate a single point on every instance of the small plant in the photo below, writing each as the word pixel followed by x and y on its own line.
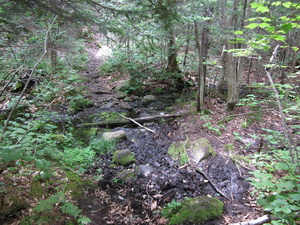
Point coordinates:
pixel 210 126
pixel 277 186
pixel 55 203
pixel 102 146
pixel 78 157
pixel 80 103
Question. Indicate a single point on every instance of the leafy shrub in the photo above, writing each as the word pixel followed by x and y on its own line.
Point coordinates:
pixel 277 186
pixel 78 157
pixel 67 208
pixel 80 103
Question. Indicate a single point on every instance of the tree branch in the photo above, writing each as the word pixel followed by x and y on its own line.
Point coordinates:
pixel 257 221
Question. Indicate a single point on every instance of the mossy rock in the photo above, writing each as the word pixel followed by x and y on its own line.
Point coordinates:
pixel 200 149
pixel 123 157
pixel 126 175
pixel 177 151
pixel 197 210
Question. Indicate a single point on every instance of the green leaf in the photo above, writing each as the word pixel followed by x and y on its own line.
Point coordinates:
pixel 286 186
pixel 276 3
pixel 263 25
pixel 252 25
pixel 15 155
pixel 286 27
pixel 285 210
pixel 295 196
pixel 70 209
pixel 287 4
pixel 278 37
pixel 260 7
pixel 238 32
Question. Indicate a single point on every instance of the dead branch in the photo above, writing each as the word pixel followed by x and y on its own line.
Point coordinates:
pixel 211 183
pixel 11 79
pixel 291 145
pixel 115 123
pixel 257 221
pixel 137 123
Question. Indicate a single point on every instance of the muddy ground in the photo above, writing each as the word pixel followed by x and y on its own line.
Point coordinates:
pixel 139 199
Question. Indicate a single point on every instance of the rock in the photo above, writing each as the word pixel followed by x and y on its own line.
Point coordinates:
pixel 114 135
pixel 200 149
pixel 119 95
pixel 126 105
pixel 128 99
pixel 148 99
pixel 145 170
pixel 123 157
pixel 125 175
pixel 122 85
pixel 178 152
pixel 197 210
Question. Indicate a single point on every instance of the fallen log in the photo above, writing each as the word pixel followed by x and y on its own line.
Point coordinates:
pixel 121 122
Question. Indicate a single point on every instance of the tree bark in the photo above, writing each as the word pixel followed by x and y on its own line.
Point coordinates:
pixel 201 79
pixel 172 54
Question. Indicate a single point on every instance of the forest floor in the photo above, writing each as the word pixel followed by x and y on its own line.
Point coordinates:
pixel 233 135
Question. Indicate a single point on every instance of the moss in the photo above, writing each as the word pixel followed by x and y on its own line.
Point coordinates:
pixel 177 151
pixel 123 157
pixel 126 175
pixel 197 210
pixel 36 188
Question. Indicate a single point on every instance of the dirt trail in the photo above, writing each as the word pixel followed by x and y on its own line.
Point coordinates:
pixel 139 200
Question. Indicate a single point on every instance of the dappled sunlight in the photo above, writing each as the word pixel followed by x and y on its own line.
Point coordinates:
pixel 104 51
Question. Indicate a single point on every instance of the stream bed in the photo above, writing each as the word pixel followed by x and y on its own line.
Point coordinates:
pixel 156 179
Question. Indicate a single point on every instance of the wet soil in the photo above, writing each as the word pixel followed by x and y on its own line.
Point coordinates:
pixel 139 199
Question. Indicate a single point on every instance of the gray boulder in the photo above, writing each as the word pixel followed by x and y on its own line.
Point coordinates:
pixel 200 149
pixel 145 170
pixel 122 85
pixel 119 95
pixel 148 99
pixel 114 135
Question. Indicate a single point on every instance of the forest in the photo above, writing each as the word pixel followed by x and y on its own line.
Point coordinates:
pixel 150 112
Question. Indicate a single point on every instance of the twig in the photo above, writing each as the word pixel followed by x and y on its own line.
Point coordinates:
pixel 11 79
pixel 212 184
pixel 291 145
pixel 132 120
pixel 257 221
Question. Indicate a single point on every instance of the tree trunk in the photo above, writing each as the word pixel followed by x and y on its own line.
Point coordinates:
pixel 234 74
pixel 172 54
pixel 201 80
pixel 53 55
